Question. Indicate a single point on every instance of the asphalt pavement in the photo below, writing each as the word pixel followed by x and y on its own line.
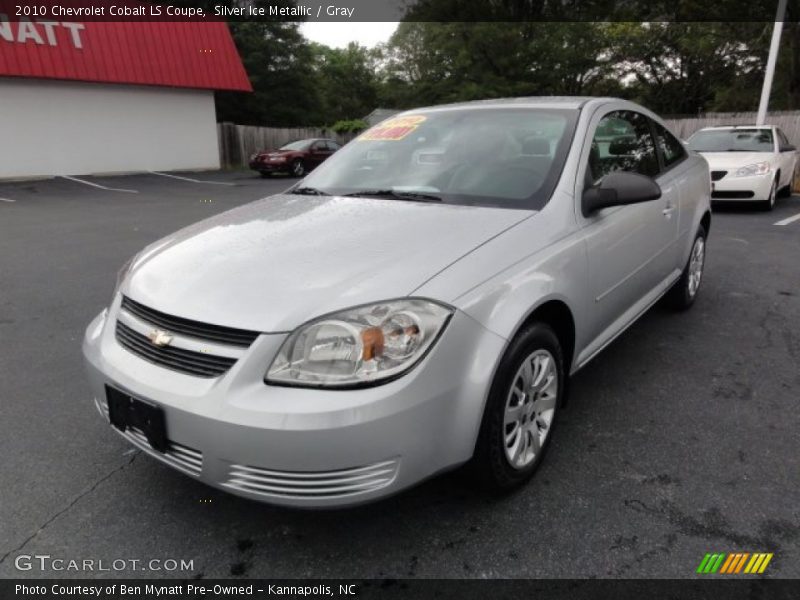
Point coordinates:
pixel 680 439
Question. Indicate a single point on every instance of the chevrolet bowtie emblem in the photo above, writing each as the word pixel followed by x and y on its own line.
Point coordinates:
pixel 159 338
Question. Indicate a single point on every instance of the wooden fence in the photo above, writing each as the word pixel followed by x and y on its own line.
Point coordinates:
pixel 238 142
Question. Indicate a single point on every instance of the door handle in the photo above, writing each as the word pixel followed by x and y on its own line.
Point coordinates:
pixel 668 210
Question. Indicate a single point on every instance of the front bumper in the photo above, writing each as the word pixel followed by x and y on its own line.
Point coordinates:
pixel 745 189
pixel 305 447
pixel 269 167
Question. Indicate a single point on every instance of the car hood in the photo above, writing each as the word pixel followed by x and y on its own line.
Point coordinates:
pixel 273 264
pixel 734 160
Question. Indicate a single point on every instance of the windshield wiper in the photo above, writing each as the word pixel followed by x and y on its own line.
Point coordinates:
pixel 396 194
pixel 308 191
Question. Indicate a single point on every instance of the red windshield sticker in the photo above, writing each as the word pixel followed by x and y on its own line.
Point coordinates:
pixel 393 129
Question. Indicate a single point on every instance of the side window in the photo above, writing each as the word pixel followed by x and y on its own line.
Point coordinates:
pixel 623 142
pixel 671 148
pixel 333 146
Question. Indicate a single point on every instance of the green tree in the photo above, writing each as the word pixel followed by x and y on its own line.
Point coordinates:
pixel 671 67
pixel 347 81
pixel 279 63
pixel 442 62
pixel 677 67
pixel 786 87
pixel 686 68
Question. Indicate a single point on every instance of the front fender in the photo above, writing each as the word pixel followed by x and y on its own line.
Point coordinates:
pixel 557 270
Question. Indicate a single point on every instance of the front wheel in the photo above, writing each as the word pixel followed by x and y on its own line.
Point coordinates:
pixel 684 292
pixel 521 410
pixel 298 168
pixel 769 203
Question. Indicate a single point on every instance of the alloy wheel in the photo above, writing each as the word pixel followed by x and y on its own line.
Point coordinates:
pixel 530 408
pixel 696 262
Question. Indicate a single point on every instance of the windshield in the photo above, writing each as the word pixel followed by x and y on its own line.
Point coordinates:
pixel 489 156
pixel 732 140
pixel 299 145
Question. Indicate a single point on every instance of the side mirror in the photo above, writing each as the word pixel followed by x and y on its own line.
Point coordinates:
pixel 619 188
pixel 788 148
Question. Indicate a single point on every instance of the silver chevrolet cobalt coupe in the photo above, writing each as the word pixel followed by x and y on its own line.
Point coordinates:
pixel 415 304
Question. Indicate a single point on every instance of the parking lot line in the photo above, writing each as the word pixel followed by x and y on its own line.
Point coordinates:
pixel 7 200
pixel 192 180
pixel 788 220
pixel 97 185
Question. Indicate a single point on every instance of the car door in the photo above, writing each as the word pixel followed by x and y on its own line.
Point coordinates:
pixel 630 249
pixel 330 148
pixel 788 158
pixel 319 151
pixel 674 179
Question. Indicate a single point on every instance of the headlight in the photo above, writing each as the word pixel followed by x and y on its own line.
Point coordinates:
pixel 359 346
pixel 761 168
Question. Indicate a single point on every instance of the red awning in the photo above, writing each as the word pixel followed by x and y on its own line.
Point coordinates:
pixel 185 54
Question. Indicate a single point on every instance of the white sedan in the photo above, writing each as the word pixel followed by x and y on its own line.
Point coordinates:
pixel 747 162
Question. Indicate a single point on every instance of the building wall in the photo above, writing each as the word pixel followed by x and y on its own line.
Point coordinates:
pixel 74 128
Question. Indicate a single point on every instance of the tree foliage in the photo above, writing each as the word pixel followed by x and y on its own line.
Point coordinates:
pixel 277 59
pixel 347 80
pixel 350 126
pixel 686 68
pixel 671 67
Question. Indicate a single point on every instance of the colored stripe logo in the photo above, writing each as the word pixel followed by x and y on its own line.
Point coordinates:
pixel 734 563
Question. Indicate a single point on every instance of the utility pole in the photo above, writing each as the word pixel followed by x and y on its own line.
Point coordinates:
pixel 773 58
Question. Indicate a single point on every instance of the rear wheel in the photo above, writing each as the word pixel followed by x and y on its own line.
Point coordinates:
pixel 786 191
pixel 521 410
pixel 684 292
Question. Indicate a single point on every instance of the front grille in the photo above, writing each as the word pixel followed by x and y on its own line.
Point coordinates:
pixel 312 484
pixel 732 195
pixel 717 175
pixel 177 359
pixel 195 329
pixel 185 459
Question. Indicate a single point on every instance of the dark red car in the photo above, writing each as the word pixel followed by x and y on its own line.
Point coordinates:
pixel 296 158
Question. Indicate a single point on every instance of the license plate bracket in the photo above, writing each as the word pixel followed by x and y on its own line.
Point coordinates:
pixel 125 411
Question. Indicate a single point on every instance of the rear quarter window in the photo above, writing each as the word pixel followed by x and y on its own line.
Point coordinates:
pixel 671 147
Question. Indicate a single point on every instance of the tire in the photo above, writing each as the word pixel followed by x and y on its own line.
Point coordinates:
pixel 769 203
pixel 298 168
pixel 684 292
pixel 517 426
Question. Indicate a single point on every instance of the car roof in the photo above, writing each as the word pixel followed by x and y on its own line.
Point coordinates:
pixel 309 140
pixel 731 127
pixel 573 102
